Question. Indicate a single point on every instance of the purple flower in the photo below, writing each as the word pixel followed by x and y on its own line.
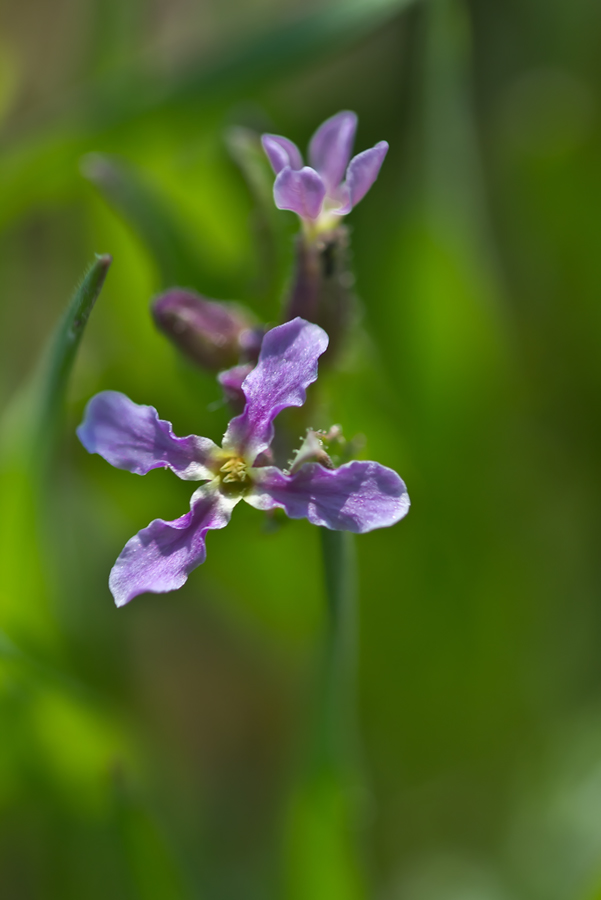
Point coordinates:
pixel 359 496
pixel 331 186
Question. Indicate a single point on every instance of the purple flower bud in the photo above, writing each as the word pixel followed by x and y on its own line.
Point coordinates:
pixel 311 450
pixel 214 335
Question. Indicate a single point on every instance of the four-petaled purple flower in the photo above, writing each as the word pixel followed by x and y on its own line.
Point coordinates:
pixel 358 496
pixel 318 192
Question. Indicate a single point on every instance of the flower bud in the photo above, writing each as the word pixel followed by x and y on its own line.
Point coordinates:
pixel 311 450
pixel 215 335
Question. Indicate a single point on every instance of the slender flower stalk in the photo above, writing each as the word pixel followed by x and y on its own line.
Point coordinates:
pixel 336 734
pixel 325 810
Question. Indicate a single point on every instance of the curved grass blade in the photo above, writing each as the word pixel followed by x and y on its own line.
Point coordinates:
pixel 50 382
pixel 145 210
pixel 28 433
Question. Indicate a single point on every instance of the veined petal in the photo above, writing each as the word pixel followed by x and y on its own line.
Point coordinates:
pixel 362 172
pixel 130 436
pixel 281 152
pixel 331 146
pixel 302 191
pixel 160 557
pixel 359 496
pixel 287 366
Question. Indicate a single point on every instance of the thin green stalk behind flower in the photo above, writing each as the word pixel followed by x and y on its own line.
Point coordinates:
pixel 28 434
pixel 323 853
pixel 336 743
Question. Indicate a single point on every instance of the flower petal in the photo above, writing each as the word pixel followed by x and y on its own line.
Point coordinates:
pixel 301 191
pixel 130 436
pixel 362 172
pixel 287 366
pixel 281 152
pixel 359 496
pixel 160 557
pixel 331 146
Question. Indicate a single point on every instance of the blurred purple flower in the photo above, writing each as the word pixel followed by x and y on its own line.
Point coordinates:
pixel 331 186
pixel 359 496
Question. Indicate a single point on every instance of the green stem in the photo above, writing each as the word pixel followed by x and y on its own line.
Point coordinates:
pixel 336 731
pixel 325 856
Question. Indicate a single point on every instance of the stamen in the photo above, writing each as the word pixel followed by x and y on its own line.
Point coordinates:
pixel 235 469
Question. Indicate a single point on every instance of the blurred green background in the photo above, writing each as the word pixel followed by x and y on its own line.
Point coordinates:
pixel 151 752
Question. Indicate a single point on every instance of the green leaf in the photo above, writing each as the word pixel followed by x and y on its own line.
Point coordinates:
pixel 50 382
pixel 28 432
pixel 147 213
pixel 321 853
pixel 453 318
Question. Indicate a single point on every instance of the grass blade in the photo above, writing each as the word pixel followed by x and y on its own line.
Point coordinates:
pixel 28 433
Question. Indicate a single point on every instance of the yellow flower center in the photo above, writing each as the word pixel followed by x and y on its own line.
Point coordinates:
pixel 234 470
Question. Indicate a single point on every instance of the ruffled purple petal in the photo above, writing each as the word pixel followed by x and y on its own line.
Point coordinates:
pixel 160 557
pixel 130 436
pixel 287 366
pixel 331 147
pixel 359 496
pixel 362 172
pixel 301 191
pixel 281 152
